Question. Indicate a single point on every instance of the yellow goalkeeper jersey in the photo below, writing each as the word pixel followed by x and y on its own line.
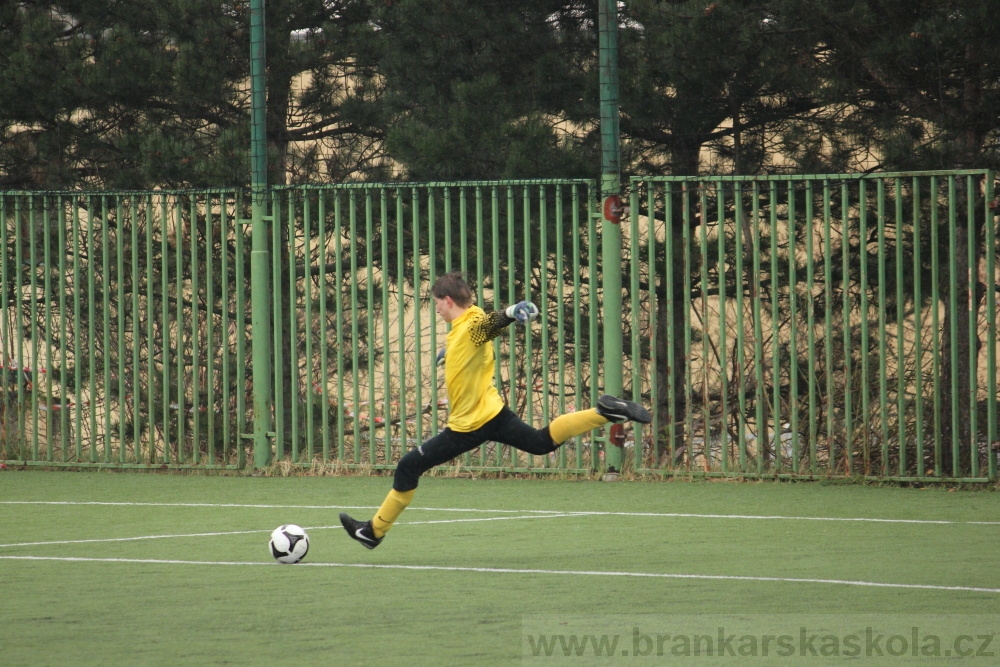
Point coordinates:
pixel 469 368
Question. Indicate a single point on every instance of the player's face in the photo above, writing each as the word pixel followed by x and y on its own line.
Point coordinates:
pixel 445 308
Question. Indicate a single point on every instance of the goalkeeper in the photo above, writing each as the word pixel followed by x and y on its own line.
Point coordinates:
pixel 477 413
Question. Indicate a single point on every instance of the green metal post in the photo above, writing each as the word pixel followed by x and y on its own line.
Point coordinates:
pixel 611 236
pixel 260 287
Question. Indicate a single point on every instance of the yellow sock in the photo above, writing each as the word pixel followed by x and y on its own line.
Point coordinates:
pixel 572 424
pixel 391 508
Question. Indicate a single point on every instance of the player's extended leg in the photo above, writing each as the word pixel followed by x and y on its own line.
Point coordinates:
pixel 439 449
pixel 508 428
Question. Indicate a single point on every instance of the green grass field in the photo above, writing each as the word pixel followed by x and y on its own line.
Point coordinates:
pixel 149 569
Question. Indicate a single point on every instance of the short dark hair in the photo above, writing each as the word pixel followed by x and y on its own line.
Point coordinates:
pixel 453 285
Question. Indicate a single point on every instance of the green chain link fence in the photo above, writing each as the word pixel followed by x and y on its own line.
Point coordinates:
pixel 804 326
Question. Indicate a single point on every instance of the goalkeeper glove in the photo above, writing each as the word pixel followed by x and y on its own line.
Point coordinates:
pixel 523 312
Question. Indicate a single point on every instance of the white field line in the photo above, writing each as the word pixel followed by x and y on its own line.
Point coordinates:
pixel 135 539
pixel 676 515
pixel 268 530
pixel 490 518
pixel 504 570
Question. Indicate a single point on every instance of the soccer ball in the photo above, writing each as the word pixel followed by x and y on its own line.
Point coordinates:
pixel 289 543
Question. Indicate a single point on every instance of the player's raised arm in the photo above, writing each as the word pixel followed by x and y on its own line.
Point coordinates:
pixel 492 324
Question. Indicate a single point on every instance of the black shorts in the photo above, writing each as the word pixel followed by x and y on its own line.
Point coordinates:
pixel 506 428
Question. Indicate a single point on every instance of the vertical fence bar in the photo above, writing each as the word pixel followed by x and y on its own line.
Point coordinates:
pixel 65 282
pixel 686 218
pixel 33 311
pixel 19 234
pixel 60 357
pixel 511 298
pixel 654 304
pixel 225 335
pixel 811 322
pixel 845 226
pixel 936 351
pixel 46 342
pixel 828 322
pixel 865 345
pixel 165 312
pixel 309 386
pixel 400 342
pixel 386 356
pixel 577 321
pixel 106 324
pixel 543 282
pixel 560 295
pixel 973 316
pixel 324 288
pixel 794 406
pixel 195 335
pixel 724 439
pixel 182 378
pixel 338 291
pixel 117 298
pixel 953 320
pixel 352 245
pixel 882 351
pixel 242 391
pixel 156 416
pixel 287 400
pixel 669 333
pixel 138 387
pixel 918 331
pixel 497 299
pixel 370 321
pixel 211 345
pixel 136 279
pixel 775 325
pixel 900 325
pixel 417 344
pixel 5 359
pixel 706 335
pixel 741 297
pixel 992 249
pixel 596 444
pixel 760 393
pixel 529 380
pixel 77 286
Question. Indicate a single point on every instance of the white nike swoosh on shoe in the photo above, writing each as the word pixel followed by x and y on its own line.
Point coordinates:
pixel 358 534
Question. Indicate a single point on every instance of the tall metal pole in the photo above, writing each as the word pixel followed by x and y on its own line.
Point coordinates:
pixel 611 236
pixel 260 269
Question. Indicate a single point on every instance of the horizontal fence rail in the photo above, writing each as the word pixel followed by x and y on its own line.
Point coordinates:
pixel 817 325
pixel 794 326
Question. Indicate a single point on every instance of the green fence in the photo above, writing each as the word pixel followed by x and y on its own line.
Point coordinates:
pixel 356 334
pixel 817 325
pixel 124 331
pixel 765 344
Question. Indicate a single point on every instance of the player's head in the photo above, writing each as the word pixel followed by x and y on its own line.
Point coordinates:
pixel 452 285
pixel 452 296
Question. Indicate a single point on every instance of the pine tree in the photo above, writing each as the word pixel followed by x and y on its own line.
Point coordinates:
pixel 478 90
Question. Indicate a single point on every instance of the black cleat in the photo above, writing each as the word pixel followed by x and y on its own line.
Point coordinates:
pixel 619 410
pixel 360 531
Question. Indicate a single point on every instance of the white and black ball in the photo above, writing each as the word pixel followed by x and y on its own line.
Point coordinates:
pixel 289 543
